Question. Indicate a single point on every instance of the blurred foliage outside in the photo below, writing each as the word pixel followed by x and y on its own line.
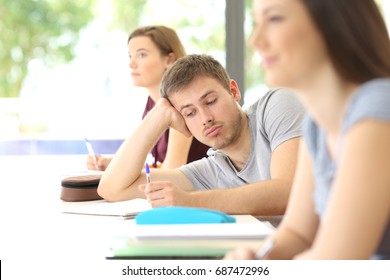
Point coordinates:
pixel 45 30
pixel 49 30
pixel 67 52
pixel 61 54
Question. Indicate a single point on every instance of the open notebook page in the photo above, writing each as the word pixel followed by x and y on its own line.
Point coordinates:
pixel 125 209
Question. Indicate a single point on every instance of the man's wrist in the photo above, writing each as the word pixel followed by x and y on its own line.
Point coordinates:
pixel 162 112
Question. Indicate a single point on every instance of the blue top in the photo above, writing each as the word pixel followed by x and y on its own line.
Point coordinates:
pixel 371 101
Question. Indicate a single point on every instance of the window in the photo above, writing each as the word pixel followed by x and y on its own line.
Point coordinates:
pixel 65 98
pixel 60 103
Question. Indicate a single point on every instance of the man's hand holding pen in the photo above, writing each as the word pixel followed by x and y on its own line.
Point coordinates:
pixel 164 193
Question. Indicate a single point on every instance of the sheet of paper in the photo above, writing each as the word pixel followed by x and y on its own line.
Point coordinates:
pixel 240 230
pixel 125 209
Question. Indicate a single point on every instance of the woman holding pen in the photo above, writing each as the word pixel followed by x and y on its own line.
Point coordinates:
pixel 152 49
pixel 335 55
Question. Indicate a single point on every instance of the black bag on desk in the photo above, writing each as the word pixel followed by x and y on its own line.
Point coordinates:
pixel 80 187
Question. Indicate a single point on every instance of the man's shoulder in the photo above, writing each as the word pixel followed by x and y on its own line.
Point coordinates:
pixel 274 99
pixel 278 115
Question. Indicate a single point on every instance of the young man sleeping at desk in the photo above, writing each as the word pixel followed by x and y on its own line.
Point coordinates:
pixel 251 164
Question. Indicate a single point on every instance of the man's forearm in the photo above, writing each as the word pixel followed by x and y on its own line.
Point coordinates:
pixel 266 198
pixel 127 164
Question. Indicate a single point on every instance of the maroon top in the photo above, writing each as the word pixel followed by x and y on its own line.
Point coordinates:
pixel 159 151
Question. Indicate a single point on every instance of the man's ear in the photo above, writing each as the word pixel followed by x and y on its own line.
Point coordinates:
pixel 235 90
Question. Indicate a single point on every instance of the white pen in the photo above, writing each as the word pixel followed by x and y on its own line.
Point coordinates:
pixel 147 171
pixel 92 153
pixel 265 249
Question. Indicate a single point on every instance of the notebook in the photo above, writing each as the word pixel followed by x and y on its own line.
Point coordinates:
pixel 125 209
pixel 188 241
pixel 125 248
pixel 257 230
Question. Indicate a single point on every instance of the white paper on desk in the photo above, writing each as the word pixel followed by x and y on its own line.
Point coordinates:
pixel 125 209
pixel 252 230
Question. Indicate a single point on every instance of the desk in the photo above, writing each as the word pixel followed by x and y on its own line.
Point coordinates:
pixel 36 239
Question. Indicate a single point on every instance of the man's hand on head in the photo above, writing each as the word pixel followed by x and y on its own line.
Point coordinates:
pixel 176 120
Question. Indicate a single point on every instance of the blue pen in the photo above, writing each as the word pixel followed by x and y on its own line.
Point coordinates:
pixel 147 170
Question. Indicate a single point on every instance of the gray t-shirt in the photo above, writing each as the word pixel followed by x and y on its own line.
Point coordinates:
pixel 371 101
pixel 274 118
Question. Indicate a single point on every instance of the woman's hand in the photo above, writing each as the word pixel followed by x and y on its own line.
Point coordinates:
pixel 101 162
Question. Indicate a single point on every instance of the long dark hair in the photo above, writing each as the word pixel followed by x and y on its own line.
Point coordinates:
pixel 356 37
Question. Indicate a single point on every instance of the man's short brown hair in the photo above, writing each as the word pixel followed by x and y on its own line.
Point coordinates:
pixel 189 68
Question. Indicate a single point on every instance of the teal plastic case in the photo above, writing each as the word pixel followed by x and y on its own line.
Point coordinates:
pixel 182 215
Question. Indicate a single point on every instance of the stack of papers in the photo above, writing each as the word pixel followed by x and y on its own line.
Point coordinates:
pixel 126 248
pixel 189 241
pixel 126 209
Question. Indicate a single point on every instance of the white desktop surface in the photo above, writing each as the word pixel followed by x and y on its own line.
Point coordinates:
pixel 36 238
